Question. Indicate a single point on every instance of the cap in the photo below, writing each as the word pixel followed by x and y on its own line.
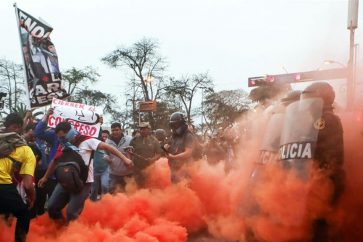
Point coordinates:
pixel 144 125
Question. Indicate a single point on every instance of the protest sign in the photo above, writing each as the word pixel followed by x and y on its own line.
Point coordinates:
pixel 84 118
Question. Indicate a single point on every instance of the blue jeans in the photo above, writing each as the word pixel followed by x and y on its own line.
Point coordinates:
pixel 100 179
pixel 60 198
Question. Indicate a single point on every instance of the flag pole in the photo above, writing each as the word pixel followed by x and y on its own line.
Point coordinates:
pixel 27 102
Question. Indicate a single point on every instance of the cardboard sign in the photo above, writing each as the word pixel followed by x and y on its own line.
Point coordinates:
pixel 148 106
pixel 84 118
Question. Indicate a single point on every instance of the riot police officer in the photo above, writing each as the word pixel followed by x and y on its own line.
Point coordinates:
pixel 180 147
pixel 329 151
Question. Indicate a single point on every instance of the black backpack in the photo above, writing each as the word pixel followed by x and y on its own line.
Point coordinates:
pixel 71 171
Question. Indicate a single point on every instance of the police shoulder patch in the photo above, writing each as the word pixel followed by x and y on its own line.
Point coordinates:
pixel 319 124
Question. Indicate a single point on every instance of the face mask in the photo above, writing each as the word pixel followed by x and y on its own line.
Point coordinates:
pixel 179 130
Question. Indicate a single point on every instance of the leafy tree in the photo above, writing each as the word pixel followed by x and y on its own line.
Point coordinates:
pixel 162 114
pixel 22 109
pixel 76 79
pixel 222 109
pixel 95 98
pixel 144 61
pixel 186 88
pixel 11 83
pixel 123 117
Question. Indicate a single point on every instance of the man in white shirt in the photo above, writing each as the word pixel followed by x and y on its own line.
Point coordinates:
pixel 60 197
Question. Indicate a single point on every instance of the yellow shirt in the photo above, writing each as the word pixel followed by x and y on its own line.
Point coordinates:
pixel 25 156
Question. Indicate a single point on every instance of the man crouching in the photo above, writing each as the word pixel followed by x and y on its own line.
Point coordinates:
pixel 71 140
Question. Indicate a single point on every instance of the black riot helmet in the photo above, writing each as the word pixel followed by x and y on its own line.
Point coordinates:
pixel 177 119
pixel 160 134
pixel 320 89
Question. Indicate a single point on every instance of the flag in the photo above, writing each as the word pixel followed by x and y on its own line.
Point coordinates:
pixel 43 78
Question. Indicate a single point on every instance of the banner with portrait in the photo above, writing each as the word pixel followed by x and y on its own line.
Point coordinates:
pixel 43 78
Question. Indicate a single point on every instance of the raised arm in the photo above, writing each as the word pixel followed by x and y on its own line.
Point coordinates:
pixel 112 150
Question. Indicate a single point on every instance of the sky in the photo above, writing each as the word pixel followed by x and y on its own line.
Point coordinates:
pixel 230 39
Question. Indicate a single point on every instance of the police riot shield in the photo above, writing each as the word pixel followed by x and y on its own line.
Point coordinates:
pixel 302 122
pixel 271 140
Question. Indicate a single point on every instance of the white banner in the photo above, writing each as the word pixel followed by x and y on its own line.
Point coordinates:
pixel 84 118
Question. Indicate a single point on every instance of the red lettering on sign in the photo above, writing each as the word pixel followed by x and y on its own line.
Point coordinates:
pixel 76 125
pixel 87 129
pixel 92 131
pixel 58 120
pixel 81 128
pixel 51 121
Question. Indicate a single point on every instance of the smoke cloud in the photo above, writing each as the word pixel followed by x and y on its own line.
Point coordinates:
pixel 277 205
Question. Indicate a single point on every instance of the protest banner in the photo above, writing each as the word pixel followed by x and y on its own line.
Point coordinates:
pixel 43 78
pixel 84 118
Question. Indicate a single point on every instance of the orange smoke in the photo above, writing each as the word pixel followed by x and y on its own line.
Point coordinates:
pixel 223 204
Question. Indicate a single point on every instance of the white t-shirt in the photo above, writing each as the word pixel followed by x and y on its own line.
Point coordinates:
pixel 85 150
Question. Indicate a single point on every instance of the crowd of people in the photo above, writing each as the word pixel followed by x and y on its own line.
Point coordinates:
pixel 47 169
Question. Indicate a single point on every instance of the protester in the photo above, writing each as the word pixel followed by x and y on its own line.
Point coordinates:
pixel 118 170
pixel 61 197
pixel 48 143
pixel 101 171
pixel 14 123
pixel 38 208
pixel 20 158
pixel 146 150
pixel 29 134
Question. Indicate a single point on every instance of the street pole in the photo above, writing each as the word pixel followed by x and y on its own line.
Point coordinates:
pixel 351 26
pixel 350 81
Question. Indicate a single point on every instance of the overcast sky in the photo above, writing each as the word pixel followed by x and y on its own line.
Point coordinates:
pixel 231 39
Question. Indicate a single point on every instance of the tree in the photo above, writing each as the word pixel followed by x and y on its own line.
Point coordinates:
pixel 187 87
pixel 76 79
pixel 22 109
pixel 121 116
pixel 144 61
pixel 12 83
pixel 222 109
pixel 95 98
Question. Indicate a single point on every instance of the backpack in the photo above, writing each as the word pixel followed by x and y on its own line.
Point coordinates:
pixel 9 142
pixel 71 171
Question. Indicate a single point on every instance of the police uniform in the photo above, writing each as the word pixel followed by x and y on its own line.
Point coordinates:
pixel 329 152
pixel 328 159
pixel 145 148
pixel 177 145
